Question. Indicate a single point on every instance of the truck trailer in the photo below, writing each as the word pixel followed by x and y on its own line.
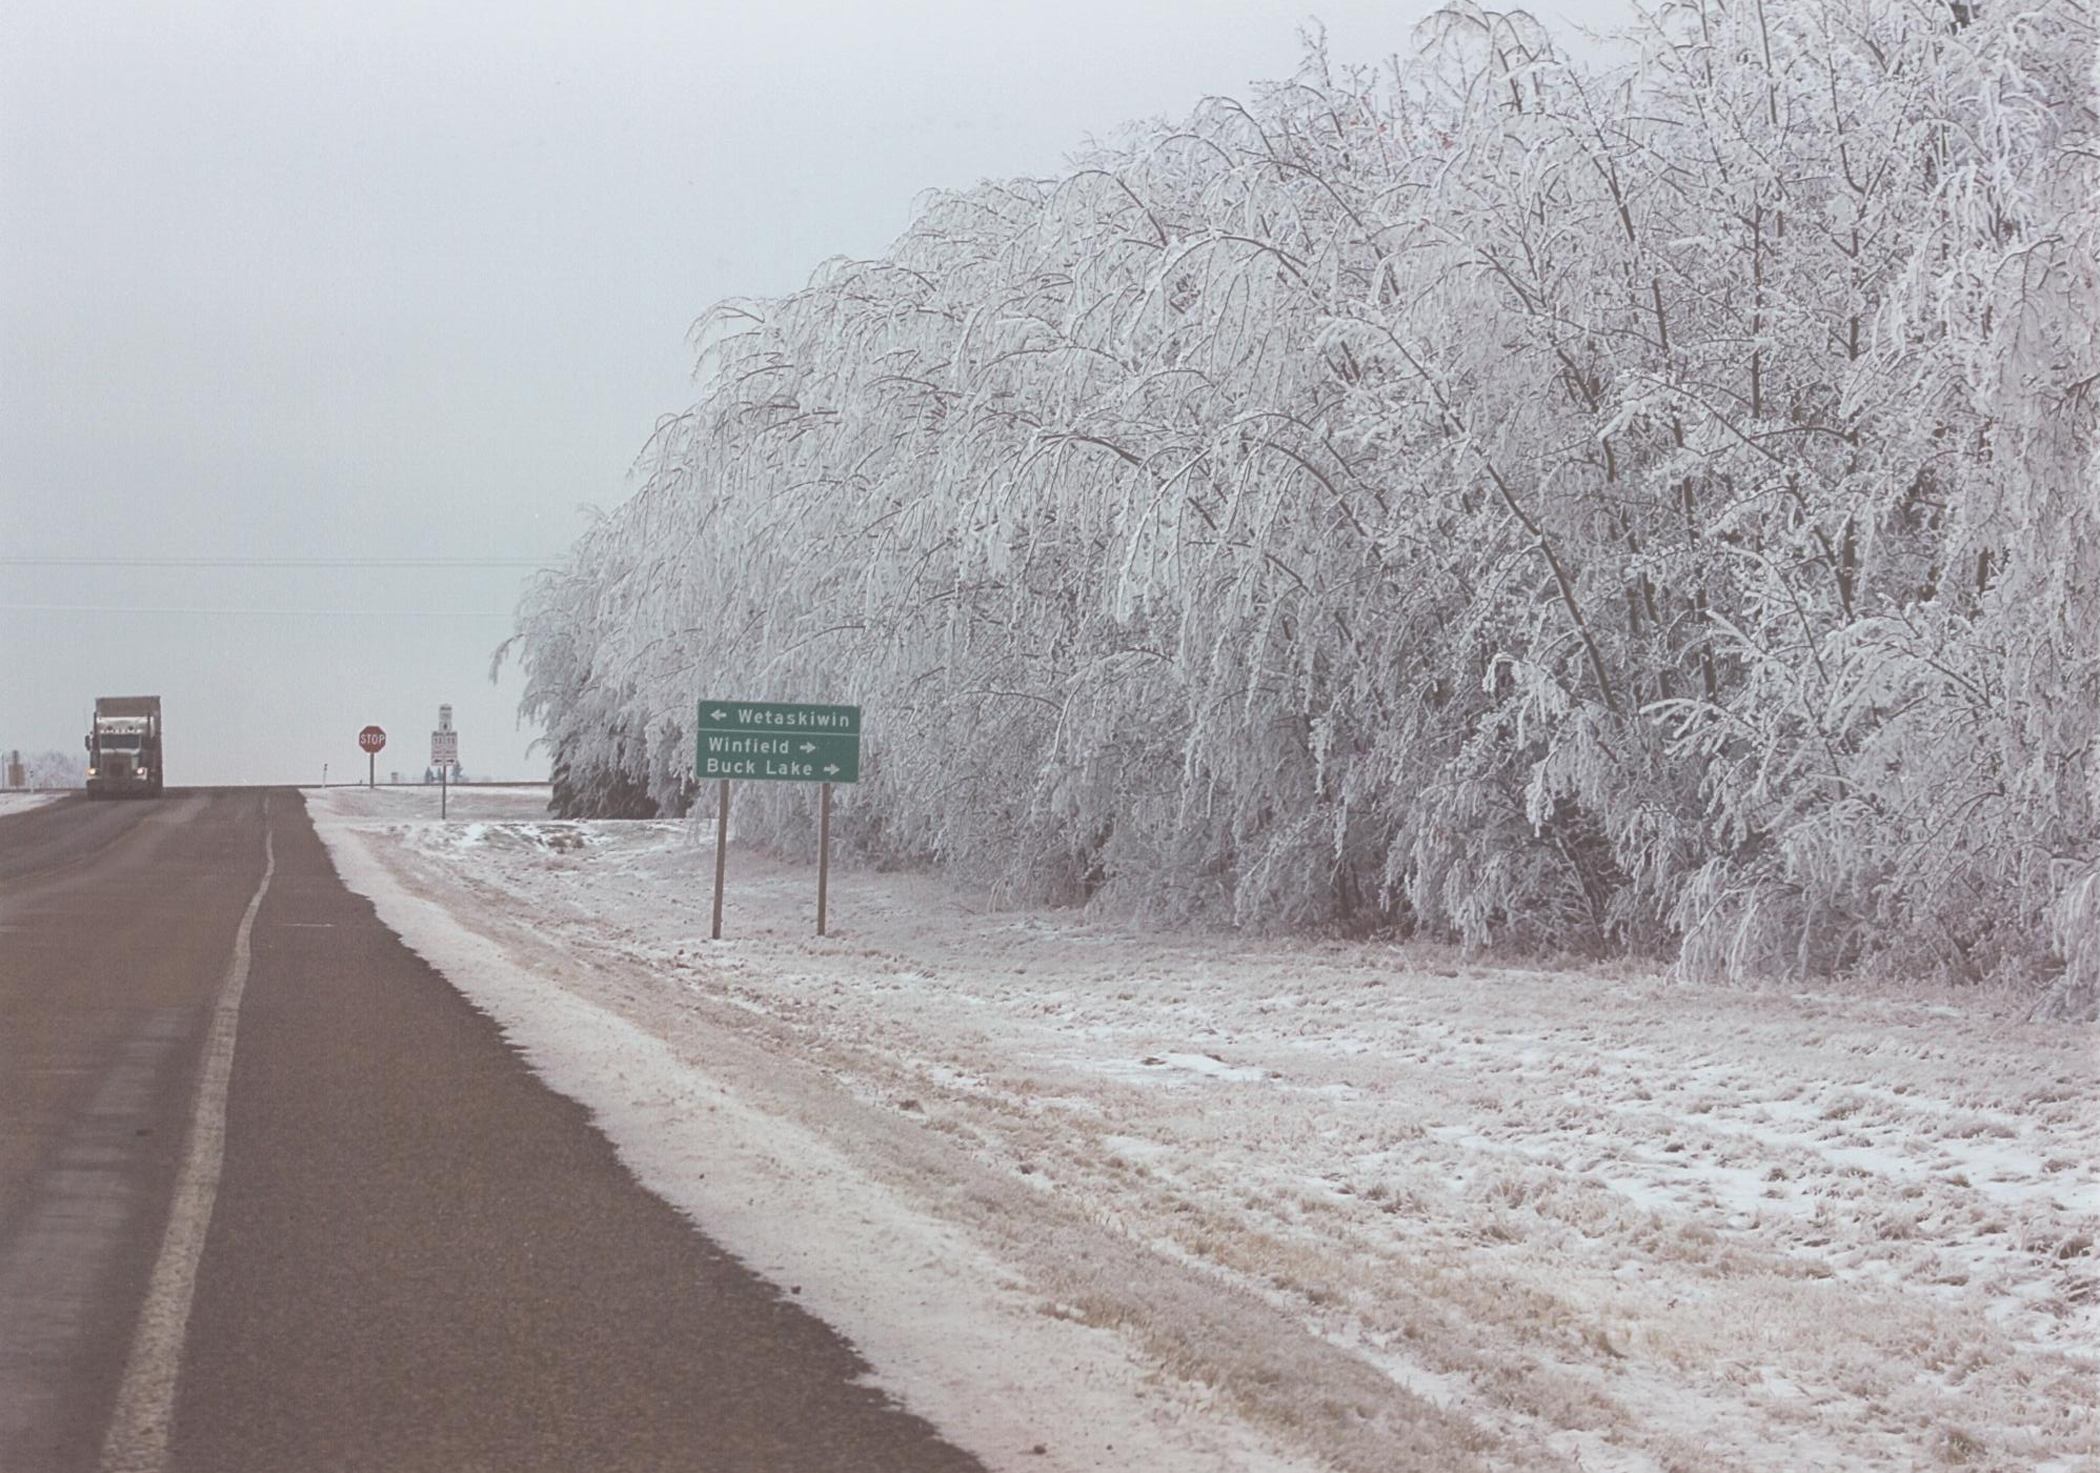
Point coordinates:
pixel 124 748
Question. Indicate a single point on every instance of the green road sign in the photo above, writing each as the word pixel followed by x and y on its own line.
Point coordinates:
pixel 777 741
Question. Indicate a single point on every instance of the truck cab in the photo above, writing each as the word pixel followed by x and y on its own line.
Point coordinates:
pixel 124 748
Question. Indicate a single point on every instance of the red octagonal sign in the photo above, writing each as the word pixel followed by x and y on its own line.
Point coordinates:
pixel 371 739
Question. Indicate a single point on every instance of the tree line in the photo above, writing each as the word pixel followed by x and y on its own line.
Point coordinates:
pixel 1635 507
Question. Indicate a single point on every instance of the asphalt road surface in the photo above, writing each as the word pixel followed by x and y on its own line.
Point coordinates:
pixel 275 1199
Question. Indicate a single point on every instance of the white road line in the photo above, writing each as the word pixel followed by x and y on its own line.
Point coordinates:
pixel 138 1432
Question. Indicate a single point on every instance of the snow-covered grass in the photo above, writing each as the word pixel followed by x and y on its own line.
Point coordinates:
pixel 20 802
pixel 415 801
pixel 1229 1203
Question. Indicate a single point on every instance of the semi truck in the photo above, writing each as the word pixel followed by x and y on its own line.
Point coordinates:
pixel 124 748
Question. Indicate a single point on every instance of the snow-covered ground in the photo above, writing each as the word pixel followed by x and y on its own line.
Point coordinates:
pixel 19 802
pixel 1195 1202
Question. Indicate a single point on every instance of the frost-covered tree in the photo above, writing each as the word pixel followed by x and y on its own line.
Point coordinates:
pixel 56 769
pixel 1634 509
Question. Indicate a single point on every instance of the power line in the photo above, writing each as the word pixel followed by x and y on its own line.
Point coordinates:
pixel 364 613
pixel 274 562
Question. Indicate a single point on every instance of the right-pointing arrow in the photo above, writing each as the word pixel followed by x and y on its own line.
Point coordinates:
pixel 832 769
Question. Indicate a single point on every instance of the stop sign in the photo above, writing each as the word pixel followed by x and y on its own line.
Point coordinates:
pixel 371 739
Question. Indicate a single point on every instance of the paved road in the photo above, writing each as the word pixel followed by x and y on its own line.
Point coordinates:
pixel 415 1256
pixel 70 831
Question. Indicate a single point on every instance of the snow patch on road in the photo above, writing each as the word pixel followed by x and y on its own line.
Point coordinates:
pixel 23 802
pixel 1378 1207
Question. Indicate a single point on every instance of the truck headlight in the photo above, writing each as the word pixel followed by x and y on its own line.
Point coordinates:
pixel 145 772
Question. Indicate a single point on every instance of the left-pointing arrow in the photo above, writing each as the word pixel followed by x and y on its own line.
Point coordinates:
pixel 718 715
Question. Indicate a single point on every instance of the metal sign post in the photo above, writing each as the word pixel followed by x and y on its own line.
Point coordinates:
pixel 444 752
pixel 776 741
pixel 823 852
pixel 721 851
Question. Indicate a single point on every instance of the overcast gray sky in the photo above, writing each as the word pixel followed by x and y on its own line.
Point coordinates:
pixel 380 282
